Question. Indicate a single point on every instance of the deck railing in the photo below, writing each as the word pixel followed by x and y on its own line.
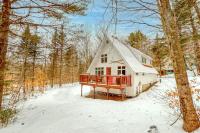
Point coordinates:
pixel 108 80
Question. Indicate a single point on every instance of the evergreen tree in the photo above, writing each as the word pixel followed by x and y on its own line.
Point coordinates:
pixel 28 51
pixel 71 63
pixel 34 53
pixel 137 39
pixel 11 15
pixel 62 43
pixel 23 49
pixel 54 57
pixel 160 52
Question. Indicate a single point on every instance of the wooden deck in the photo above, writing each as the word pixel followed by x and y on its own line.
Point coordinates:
pixel 107 82
pixel 103 96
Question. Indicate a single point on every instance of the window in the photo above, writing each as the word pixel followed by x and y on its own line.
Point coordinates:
pixel 104 58
pixel 121 70
pixel 99 71
pixel 144 60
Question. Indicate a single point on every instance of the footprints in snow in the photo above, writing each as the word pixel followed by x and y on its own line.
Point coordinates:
pixel 153 129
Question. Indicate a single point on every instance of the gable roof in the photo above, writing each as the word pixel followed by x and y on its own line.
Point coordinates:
pixel 137 52
pixel 129 56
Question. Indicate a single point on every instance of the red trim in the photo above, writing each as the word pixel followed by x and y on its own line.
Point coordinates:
pixel 107 81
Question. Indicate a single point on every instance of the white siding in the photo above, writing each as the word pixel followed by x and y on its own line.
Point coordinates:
pixel 119 55
pixel 144 79
pixel 113 60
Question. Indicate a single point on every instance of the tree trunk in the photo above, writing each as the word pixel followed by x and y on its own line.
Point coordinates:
pixel 4 30
pixel 61 56
pixel 160 67
pixel 24 75
pixel 196 44
pixel 33 71
pixel 44 69
pixel 52 71
pixel 60 73
pixel 169 23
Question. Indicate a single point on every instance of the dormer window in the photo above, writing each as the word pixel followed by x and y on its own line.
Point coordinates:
pixel 104 58
pixel 144 60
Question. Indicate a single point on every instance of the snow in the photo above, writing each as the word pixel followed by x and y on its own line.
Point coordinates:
pixel 130 57
pixel 137 52
pixel 63 110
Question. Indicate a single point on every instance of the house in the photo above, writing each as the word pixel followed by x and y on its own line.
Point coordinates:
pixel 118 68
pixel 166 68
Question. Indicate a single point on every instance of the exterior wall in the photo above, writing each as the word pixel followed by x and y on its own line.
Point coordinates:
pixel 141 80
pixel 113 60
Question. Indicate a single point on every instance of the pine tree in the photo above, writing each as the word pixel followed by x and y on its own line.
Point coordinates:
pixel 10 15
pixel 34 53
pixel 71 63
pixel 54 58
pixel 24 52
pixel 137 39
pixel 61 42
pixel 185 17
pixel 28 50
pixel 160 52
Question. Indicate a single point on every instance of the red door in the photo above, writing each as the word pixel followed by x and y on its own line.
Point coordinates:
pixel 108 70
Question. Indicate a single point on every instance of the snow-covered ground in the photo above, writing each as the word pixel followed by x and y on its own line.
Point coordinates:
pixel 63 110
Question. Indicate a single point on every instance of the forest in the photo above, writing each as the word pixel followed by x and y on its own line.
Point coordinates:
pixel 46 45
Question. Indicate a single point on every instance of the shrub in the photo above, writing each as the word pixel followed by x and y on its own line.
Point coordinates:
pixel 173 100
pixel 6 115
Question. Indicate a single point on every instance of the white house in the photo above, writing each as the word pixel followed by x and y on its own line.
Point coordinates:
pixel 116 59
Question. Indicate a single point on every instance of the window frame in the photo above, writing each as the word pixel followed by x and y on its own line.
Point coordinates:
pixel 121 70
pixel 104 58
pixel 99 71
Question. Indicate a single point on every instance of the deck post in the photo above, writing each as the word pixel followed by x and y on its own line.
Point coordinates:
pixel 107 93
pixel 107 80
pixel 94 92
pixel 122 94
pixel 120 81
pixel 81 90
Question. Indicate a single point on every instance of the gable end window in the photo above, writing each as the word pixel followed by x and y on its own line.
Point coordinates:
pixel 104 58
pixel 121 70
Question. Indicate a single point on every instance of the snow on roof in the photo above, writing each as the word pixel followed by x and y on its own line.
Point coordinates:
pixel 138 52
pixel 130 58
